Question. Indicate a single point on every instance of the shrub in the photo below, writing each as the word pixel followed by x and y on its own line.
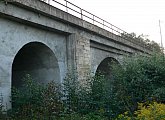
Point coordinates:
pixel 151 111
pixel 141 79
pixel 35 101
pixel 2 110
pixel 89 116
pixel 72 101
pixel 84 98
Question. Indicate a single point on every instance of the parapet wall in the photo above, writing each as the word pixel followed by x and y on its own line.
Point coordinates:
pixel 47 10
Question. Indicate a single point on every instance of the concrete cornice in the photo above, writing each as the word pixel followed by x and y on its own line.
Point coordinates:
pixel 50 11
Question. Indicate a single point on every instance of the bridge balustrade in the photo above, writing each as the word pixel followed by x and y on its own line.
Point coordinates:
pixel 93 19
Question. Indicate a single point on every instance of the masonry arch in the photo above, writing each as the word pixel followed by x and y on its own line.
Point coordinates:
pixel 105 67
pixel 38 60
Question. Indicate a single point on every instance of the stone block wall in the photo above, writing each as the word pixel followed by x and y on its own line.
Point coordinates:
pixel 79 55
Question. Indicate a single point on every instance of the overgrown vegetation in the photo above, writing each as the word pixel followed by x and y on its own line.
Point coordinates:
pixel 146 111
pixel 143 40
pixel 141 80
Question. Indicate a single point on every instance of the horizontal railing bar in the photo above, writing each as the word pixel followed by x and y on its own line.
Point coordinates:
pixel 59 3
pixel 88 13
pixel 93 17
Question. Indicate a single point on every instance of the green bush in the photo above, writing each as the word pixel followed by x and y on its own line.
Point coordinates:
pixel 35 101
pixel 84 98
pixel 152 111
pixel 2 115
pixel 95 97
pixel 51 101
pixel 89 116
pixel 146 111
pixel 141 79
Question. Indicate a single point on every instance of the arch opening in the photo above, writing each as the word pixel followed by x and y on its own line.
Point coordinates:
pixel 105 67
pixel 39 61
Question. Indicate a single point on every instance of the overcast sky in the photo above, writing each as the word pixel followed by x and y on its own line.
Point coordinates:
pixel 139 16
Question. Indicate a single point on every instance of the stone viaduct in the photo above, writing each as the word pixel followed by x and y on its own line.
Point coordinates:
pixel 45 42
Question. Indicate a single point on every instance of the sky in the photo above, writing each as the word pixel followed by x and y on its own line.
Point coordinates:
pixel 138 16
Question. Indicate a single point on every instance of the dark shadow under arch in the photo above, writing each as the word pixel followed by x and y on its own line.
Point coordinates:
pixel 105 67
pixel 38 60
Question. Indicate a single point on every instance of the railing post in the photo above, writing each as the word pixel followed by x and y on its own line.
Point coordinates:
pixel 111 28
pixel 66 6
pixel 81 13
pixel 118 31
pixel 103 23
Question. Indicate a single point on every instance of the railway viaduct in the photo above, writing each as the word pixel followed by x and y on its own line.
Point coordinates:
pixel 44 41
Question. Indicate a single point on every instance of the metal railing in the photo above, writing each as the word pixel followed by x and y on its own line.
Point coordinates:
pixel 91 18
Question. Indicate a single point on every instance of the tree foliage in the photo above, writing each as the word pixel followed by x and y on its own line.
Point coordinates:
pixel 146 111
pixel 138 79
pixel 141 79
pixel 143 39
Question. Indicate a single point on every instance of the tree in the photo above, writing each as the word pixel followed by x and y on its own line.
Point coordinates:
pixel 143 39
pixel 141 79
